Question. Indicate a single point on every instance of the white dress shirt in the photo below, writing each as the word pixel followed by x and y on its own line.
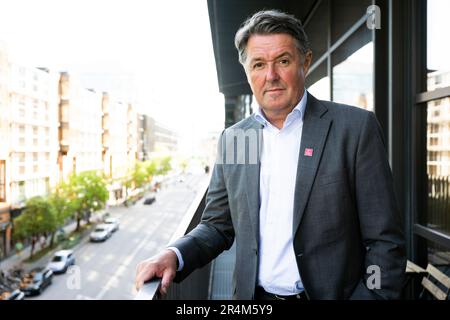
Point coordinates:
pixel 278 271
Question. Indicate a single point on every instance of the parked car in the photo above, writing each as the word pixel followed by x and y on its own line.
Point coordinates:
pixel 101 233
pixel 61 261
pixel 36 281
pixel 113 222
pixel 149 200
pixel 14 295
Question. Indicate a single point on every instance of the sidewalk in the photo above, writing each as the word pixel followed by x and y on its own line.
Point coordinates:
pixel 17 260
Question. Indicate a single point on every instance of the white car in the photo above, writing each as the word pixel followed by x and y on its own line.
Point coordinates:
pixel 101 233
pixel 113 222
pixel 61 261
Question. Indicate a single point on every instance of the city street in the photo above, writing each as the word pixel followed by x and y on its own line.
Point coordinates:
pixel 106 270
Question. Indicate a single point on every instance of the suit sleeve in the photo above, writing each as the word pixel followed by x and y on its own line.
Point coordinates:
pixel 380 222
pixel 215 232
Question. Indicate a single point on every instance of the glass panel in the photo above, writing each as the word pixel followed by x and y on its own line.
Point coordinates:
pixel 438 164
pixel 438 48
pixel 318 82
pixel 439 256
pixel 353 78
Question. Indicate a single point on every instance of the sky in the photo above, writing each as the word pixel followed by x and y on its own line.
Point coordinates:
pixel 438 46
pixel 156 53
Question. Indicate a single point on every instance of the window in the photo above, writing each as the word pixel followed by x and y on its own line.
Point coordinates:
pixel 353 70
pixel 21 129
pixel 318 83
pixel 21 191
pixel 438 166
pixel 2 180
pixel 436 218
pixel 20 157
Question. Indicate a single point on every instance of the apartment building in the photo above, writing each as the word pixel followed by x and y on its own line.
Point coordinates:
pixel 80 130
pixel 5 227
pixel 115 144
pixel 154 138
pixel 33 148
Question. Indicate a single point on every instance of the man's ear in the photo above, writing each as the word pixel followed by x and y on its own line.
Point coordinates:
pixel 307 62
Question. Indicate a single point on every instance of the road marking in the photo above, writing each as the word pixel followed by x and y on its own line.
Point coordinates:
pixel 123 267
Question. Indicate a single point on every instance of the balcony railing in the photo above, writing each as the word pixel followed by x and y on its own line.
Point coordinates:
pixel 196 286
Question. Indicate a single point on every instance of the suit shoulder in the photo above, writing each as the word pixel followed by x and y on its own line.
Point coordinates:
pixel 244 123
pixel 345 112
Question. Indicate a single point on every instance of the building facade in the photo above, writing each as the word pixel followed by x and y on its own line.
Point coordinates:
pixel 154 138
pixel 80 130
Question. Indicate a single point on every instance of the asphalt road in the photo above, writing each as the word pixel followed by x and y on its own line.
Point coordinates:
pixel 106 270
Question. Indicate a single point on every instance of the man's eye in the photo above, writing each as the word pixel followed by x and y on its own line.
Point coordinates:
pixel 257 65
pixel 284 62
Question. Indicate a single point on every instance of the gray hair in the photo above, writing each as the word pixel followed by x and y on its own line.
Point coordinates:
pixel 270 22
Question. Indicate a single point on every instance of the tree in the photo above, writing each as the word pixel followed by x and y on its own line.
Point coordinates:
pixel 37 219
pixel 88 192
pixel 164 165
pixel 64 209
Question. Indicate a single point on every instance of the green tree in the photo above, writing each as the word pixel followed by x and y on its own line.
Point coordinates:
pixel 64 209
pixel 151 168
pixel 163 165
pixel 88 192
pixel 38 219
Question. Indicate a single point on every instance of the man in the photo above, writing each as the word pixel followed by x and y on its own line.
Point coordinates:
pixel 314 216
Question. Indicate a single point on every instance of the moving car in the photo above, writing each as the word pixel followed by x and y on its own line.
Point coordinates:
pixel 113 223
pixel 101 233
pixel 61 261
pixel 36 281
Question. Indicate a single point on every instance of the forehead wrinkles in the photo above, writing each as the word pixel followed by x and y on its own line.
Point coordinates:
pixel 268 48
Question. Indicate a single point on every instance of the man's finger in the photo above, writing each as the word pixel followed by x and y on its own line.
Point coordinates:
pixel 167 278
pixel 144 275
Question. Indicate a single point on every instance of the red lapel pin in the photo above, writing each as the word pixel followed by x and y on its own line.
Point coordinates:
pixel 308 152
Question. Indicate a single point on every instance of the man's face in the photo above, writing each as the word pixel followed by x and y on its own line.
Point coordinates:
pixel 275 71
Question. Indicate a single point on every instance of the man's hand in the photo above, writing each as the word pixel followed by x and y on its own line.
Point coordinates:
pixel 163 265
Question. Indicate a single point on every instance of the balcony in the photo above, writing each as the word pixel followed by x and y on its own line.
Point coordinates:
pixel 212 282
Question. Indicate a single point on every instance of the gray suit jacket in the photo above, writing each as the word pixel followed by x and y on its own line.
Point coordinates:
pixel 345 213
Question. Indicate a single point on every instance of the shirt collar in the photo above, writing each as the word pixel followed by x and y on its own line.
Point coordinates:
pixel 297 113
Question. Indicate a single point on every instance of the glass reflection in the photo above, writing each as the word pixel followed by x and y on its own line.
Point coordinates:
pixel 353 79
pixel 438 164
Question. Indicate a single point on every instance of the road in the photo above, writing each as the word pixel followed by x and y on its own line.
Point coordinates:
pixel 106 270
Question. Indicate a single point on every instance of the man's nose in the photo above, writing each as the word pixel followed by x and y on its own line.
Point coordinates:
pixel 272 73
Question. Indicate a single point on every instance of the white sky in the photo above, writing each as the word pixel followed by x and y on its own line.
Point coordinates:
pixel 158 51
pixel 438 33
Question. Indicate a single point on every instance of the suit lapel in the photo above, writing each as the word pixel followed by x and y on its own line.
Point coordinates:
pixel 314 134
pixel 252 180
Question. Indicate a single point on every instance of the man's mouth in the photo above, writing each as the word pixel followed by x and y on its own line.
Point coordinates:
pixel 274 90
